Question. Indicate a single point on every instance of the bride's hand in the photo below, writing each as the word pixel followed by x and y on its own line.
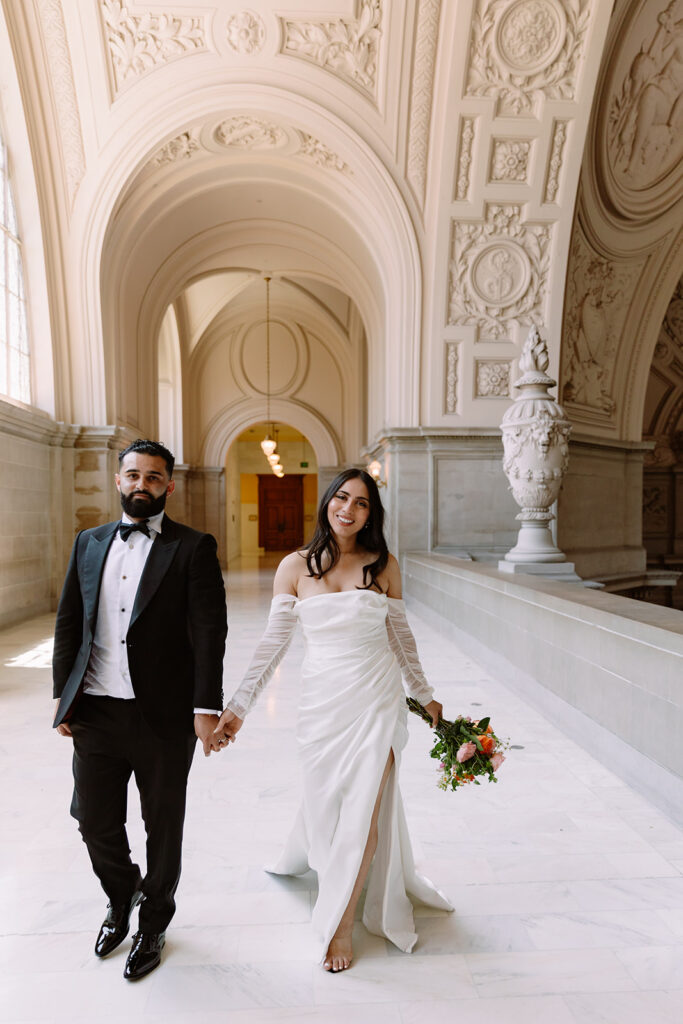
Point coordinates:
pixel 434 709
pixel 228 725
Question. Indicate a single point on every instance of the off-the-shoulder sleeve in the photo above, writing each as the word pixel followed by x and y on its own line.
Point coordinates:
pixel 402 643
pixel 271 650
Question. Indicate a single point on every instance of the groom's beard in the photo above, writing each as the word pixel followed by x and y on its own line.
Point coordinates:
pixel 138 507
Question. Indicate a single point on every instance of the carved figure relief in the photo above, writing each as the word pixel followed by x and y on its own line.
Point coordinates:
pixel 499 271
pixel 492 378
pixel 645 125
pixel 245 132
pixel 451 392
pixel 245 33
pixel 465 159
pixel 510 159
pixel 552 180
pixel 138 43
pixel 655 508
pixel 527 49
pixel 596 307
pixel 421 95
pixel 61 73
pixel 348 48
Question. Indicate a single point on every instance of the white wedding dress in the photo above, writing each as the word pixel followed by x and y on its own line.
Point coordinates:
pixel 352 713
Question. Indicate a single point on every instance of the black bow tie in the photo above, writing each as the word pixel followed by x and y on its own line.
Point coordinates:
pixel 125 529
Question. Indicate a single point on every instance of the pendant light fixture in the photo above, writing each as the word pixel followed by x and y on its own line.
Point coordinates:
pixel 268 445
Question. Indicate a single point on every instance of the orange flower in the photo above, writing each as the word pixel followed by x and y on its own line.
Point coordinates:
pixel 488 744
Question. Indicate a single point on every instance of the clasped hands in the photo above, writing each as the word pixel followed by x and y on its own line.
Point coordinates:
pixel 216 733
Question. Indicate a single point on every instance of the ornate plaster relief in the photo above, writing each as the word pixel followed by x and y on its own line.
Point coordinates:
pixel 510 160
pixel 552 181
pixel 66 103
pixel 526 50
pixel 498 271
pixel 348 48
pixel 138 43
pixel 462 185
pixel 451 378
pixel 599 294
pixel 245 33
pixel 492 378
pixel 422 90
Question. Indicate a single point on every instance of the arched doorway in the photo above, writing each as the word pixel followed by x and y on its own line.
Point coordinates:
pixel 265 513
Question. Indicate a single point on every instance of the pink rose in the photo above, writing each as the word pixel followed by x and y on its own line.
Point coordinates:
pixel 465 752
pixel 496 761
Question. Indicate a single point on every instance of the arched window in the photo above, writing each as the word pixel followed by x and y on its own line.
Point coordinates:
pixel 15 377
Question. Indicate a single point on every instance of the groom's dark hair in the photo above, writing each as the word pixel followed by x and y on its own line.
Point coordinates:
pixel 145 447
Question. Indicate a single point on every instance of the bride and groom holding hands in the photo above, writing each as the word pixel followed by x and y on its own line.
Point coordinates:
pixel 138 667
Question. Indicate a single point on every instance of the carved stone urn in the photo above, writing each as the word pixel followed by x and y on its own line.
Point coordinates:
pixel 535 441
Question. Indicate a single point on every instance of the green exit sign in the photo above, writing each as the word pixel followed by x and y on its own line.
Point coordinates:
pixel 303 465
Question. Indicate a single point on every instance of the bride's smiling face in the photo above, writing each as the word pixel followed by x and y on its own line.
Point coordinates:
pixel 349 508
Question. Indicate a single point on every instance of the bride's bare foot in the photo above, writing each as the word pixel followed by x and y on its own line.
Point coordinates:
pixel 339 954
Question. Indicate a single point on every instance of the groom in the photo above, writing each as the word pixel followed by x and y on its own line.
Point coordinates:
pixel 137 667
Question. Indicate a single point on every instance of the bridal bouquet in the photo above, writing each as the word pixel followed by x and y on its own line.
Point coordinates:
pixel 464 749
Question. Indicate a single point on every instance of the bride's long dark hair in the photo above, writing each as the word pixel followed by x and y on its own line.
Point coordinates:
pixel 370 538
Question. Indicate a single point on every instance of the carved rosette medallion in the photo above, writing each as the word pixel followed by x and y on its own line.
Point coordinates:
pixel 499 271
pixel 510 159
pixel 536 453
pixel 138 43
pixel 245 33
pixel 530 35
pixel 348 48
pixel 492 378
pixel 526 50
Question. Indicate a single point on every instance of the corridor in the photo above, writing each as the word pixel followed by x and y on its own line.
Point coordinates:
pixel 568 886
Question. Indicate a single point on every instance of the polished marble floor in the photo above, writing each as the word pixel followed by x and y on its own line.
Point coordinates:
pixel 568 886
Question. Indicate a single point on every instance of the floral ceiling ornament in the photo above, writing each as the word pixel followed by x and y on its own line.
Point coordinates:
pixel 526 50
pixel 510 159
pixel 492 378
pixel 321 154
pixel 138 43
pixel 179 148
pixel 499 271
pixel 245 33
pixel 348 48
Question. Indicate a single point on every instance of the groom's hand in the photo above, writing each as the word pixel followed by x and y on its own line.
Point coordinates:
pixel 204 726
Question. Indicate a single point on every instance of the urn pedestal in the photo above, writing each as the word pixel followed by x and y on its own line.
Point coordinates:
pixel 535 441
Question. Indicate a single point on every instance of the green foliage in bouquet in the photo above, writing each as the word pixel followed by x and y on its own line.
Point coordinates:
pixel 466 750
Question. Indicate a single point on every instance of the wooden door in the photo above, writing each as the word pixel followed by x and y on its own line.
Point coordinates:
pixel 280 512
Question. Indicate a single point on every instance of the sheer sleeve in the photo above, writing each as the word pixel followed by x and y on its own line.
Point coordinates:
pixel 271 650
pixel 402 643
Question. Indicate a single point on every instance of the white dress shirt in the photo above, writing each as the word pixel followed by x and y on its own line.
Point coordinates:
pixel 108 672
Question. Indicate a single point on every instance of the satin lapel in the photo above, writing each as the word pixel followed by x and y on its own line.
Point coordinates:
pixel 91 575
pixel 157 565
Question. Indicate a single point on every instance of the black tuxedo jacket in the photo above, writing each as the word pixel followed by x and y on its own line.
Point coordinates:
pixel 176 637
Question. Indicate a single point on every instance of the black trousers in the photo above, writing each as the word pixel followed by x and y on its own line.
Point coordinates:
pixel 112 741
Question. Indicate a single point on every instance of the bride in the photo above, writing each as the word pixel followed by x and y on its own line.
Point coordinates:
pixel 345 588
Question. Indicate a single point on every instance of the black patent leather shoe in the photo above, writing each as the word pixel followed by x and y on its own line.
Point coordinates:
pixel 145 954
pixel 115 925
